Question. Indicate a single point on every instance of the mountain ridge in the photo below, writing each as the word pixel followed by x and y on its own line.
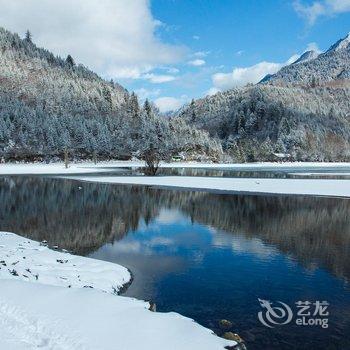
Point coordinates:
pixel 307 56
pixel 341 44
pixel 303 111
pixel 325 67
pixel 50 106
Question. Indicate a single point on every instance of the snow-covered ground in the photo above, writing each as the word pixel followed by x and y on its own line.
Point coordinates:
pixel 325 174
pixel 323 187
pixel 39 310
pixel 50 169
pixel 319 187
pixel 90 167
pixel 27 260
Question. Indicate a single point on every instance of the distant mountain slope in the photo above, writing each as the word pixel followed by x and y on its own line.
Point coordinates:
pixel 303 111
pixel 313 68
pixel 306 56
pixel 48 105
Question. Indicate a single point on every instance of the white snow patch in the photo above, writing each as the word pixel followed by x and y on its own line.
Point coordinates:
pixel 41 313
pixel 49 169
pixel 27 260
pixel 321 174
pixel 321 187
pixel 90 167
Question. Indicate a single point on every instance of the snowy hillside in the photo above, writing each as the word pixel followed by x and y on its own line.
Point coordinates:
pixel 306 56
pixel 38 78
pixel 303 111
pixel 316 69
pixel 49 105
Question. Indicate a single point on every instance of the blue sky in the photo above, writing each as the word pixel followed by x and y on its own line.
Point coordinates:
pixel 173 50
pixel 236 33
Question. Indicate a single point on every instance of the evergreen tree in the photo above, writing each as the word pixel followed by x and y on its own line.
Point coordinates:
pixel 107 95
pixel 70 61
pixel 193 111
pixel 284 128
pixel 265 151
pixel 147 108
pixel 28 36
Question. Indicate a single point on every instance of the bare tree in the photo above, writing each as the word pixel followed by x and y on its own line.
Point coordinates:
pixel 152 157
pixel 66 158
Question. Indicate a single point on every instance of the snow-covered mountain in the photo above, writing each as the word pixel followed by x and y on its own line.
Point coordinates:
pixel 49 104
pixel 37 77
pixel 307 56
pixel 341 44
pixel 303 110
pixel 312 68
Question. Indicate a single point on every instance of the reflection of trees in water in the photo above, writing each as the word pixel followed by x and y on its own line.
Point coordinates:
pixel 75 216
pixel 78 219
pixel 314 230
pixel 222 173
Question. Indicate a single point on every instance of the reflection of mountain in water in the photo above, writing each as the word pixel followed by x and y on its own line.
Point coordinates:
pixel 313 230
pixel 81 219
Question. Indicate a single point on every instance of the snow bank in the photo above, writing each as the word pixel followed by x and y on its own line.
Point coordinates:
pixel 49 169
pixel 332 173
pixel 22 258
pixel 39 316
pixel 263 166
pixel 41 313
pixel 90 167
pixel 317 187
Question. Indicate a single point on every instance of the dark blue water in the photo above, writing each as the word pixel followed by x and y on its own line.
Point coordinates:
pixel 210 274
pixel 207 256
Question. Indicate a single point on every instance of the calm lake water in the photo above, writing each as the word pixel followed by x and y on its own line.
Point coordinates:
pixel 300 172
pixel 207 256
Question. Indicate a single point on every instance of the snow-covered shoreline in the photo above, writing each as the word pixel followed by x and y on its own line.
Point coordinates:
pixel 28 260
pixel 91 168
pixel 296 186
pixel 49 307
pixel 314 187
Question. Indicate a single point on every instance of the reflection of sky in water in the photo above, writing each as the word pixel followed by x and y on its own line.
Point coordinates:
pixel 209 274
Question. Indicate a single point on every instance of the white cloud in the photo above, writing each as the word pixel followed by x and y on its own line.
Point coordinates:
pixel 127 72
pixel 158 78
pixel 201 54
pixel 240 52
pixel 197 62
pixel 321 8
pixel 241 76
pixel 195 37
pixel 166 104
pixel 172 70
pixel 313 47
pixel 212 91
pixel 146 93
pixel 339 5
pixel 115 38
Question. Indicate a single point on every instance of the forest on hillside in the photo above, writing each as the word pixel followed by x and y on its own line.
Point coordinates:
pixel 258 122
pixel 50 106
